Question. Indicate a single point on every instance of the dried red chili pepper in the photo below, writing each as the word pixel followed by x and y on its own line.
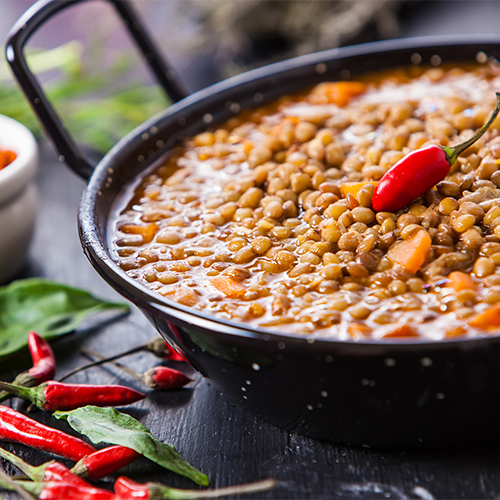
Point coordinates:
pixel 163 377
pixel 52 396
pixel 126 489
pixel 420 170
pixel 18 428
pixel 44 364
pixel 104 462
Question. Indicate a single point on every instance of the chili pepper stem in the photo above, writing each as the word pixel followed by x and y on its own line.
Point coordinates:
pixel 178 494
pixel 101 361
pixel 9 484
pixel 23 379
pixel 148 346
pixel 34 473
pixel 129 371
pixel 454 152
pixel 30 394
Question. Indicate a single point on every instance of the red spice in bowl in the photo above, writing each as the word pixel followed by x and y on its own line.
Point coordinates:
pixel 6 158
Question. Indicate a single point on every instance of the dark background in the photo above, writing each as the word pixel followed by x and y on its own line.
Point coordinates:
pixel 221 439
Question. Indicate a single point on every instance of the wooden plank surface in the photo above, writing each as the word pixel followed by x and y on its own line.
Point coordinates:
pixel 224 441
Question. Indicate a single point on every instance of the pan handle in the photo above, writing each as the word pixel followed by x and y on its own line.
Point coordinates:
pixel 33 18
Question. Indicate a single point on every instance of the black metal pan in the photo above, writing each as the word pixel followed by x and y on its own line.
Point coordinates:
pixel 391 394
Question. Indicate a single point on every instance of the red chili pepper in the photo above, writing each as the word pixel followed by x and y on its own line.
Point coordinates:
pixel 47 475
pixel 59 472
pixel 44 364
pixel 56 490
pixel 162 377
pixel 18 428
pixel 52 396
pixel 420 170
pixel 104 462
pixel 126 489
pixel 93 466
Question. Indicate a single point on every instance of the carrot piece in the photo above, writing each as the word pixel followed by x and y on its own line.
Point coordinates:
pixel 455 332
pixel 411 253
pixel 359 331
pixel 338 93
pixel 147 231
pixel 354 187
pixel 182 295
pixel 402 331
pixel 461 281
pixel 228 286
pixel 488 319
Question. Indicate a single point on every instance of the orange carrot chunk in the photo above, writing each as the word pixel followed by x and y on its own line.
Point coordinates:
pixel 182 295
pixel 461 281
pixel 339 93
pixel 359 331
pixel 456 332
pixel 411 253
pixel 354 187
pixel 402 331
pixel 488 319
pixel 228 286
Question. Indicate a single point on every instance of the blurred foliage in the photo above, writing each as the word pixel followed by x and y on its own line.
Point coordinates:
pixel 248 33
pixel 80 96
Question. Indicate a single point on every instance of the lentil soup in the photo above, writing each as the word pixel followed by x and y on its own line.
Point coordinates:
pixel 267 220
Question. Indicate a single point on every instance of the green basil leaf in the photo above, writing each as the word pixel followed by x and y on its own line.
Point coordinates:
pixel 49 308
pixel 107 425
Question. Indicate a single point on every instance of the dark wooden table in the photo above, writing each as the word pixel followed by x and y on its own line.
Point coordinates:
pixel 228 444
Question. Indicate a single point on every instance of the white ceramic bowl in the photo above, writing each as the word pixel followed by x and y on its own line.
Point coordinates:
pixel 18 196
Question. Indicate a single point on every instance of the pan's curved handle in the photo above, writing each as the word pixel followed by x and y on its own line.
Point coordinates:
pixel 51 121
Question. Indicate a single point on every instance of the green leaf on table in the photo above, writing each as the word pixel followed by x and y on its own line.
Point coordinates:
pixel 51 309
pixel 107 425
